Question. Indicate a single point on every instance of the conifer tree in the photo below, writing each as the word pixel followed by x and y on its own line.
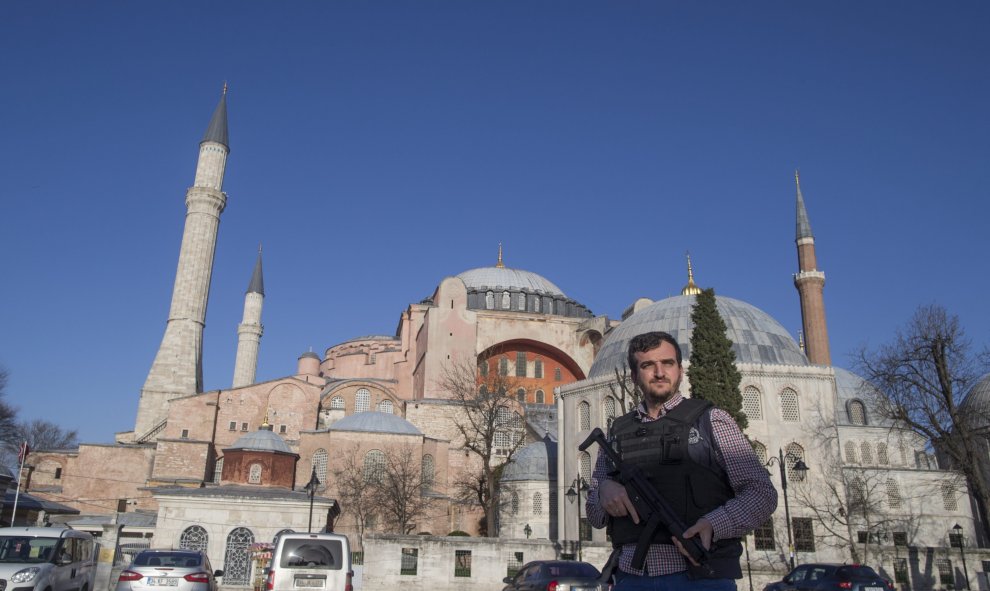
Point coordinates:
pixel 713 373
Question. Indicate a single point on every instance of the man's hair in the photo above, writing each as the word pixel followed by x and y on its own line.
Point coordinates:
pixel 648 341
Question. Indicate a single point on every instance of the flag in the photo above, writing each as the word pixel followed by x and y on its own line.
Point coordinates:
pixel 22 452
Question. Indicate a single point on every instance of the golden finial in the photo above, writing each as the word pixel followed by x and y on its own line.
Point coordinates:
pixel 265 424
pixel 499 264
pixel 690 288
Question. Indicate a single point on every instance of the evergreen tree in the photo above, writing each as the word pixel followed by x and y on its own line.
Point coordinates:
pixel 713 372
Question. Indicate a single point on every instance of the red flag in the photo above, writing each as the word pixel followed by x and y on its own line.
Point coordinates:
pixel 23 452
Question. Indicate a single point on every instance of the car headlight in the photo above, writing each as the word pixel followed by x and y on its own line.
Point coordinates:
pixel 25 575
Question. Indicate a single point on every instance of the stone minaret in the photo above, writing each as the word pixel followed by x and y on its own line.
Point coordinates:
pixel 178 366
pixel 250 329
pixel 810 283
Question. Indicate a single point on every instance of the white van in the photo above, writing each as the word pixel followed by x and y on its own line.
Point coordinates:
pixel 308 562
pixel 46 559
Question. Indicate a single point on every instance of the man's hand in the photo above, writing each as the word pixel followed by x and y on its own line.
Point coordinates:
pixel 703 529
pixel 613 497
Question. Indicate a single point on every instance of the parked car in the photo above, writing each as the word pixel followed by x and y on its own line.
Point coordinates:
pixel 174 570
pixel 321 562
pixel 46 558
pixel 555 575
pixel 831 577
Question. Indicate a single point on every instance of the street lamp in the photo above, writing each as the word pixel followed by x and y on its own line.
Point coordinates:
pixel 528 531
pixel 800 467
pixel 311 488
pixel 580 485
pixel 957 529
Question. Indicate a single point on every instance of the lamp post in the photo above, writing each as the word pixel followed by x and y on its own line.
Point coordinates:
pixel 311 488
pixel 957 530
pixel 528 531
pixel 580 485
pixel 800 467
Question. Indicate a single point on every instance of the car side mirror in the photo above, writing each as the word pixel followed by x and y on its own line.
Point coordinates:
pixel 219 573
pixel 507 580
pixel 787 579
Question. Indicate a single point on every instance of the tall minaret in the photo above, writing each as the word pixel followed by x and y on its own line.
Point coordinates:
pixel 810 283
pixel 250 329
pixel 178 366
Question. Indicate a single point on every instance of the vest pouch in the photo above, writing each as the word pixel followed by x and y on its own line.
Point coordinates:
pixel 672 450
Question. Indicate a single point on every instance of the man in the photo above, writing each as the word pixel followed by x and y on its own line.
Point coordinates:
pixel 698 459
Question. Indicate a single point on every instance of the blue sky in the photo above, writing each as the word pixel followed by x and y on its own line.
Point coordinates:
pixel 378 147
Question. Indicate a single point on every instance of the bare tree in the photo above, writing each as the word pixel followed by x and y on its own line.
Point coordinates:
pixel 9 433
pixel 355 497
pixel 398 491
pixel 922 375
pixel 490 427
pixel 41 434
pixel 624 390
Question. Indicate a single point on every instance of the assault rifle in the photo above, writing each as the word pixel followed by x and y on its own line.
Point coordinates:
pixel 653 509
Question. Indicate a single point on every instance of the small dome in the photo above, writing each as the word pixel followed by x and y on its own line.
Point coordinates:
pixel 375 422
pixel 490 277
pixel 756 336
pixel 261 440
pixel 310 355
pixel 536 461
pixel 976 403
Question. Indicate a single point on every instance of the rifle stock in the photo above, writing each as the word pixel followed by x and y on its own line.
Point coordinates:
pixel 650 505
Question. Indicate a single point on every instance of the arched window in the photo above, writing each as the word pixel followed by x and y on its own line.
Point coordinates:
pixel 320 464
pixel 789 405
pixel 949 497
pixel 522 302
pixel 585 464
pixel 584 416
pixel 536 304
pixel 537 502
pixel 194 537
pixel 792 453
pixel 850 452
pixel 218 471
pixel 556 374
pixel 751 404
pixel 866 452
pixel 254 474
pixel 882 458
pixel 374 466
pixel 362 400
pixel 608 411
pixel 506 300
pixel 428 472
pixel 520 364
pixel 515 502
pixel 540 397
pixel 503 366
pixel 521 395
pixel 893 494
pixel 385 406
pixel 857 412
pixel 236 563
pixel 761 451
pixel 483 367
pixel 538 368
pixel 857 495
pixel 337 403
pixel 490 300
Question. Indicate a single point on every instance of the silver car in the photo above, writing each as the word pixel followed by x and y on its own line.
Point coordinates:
pixel 169 570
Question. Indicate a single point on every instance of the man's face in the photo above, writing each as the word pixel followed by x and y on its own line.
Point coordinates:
pixel 657 373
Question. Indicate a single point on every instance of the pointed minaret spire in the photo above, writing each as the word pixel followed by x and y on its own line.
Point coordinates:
pixel 499 264
pixel 178 366
pixel 216 131
pixel 250 329
pixel 810 283
pixel 691 288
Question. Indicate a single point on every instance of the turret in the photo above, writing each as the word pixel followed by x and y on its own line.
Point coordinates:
pixel 250 329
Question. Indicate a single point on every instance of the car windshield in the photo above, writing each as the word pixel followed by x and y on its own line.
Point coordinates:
pixel 26 549
pixel 173 559
pixel 575 569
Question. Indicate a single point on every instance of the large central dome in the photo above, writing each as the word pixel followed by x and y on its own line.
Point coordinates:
pixel 504 277
pixel 514 290
pixel 756 336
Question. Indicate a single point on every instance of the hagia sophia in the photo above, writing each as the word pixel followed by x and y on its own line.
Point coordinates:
pixel 224 469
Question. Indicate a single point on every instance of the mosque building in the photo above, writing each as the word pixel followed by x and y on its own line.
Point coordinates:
pixel 224 469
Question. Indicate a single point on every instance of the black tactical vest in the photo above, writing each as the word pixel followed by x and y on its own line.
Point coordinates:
pixel 677 455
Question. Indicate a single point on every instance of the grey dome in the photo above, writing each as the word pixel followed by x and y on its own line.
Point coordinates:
pixel 261 440
pixel 310 355
pixel 756 336
pixel 490 277
pixel 375 422
pixel 536 461
pixel 976 403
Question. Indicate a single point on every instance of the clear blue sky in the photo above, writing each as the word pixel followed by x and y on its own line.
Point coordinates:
pixel 378 147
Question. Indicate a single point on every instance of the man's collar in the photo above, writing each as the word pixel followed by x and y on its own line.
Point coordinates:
pixel 642 413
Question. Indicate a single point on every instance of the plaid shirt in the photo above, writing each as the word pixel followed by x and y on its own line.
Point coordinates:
pixel 755 500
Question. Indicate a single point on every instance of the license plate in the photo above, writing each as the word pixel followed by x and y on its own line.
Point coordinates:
pixel 873 589
pixel 309 583
pixel 163 581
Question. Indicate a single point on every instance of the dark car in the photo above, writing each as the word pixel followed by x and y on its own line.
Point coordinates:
pixel 554 575
pixel 831 577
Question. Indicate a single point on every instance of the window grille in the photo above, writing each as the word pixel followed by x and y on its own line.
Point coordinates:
pixel 232 426
pixel 503 366
pixel 955 540
pixel 866 452
pixel 194 537
pixel 857 413
pixel 385 406
pixel 410 560
pixel 857 495
pixel 763 536
pixel 538 368
pixel 217 471
pixel 520 364
pixel 521 395
pixel 893 494
pixel 585 467
pixel 362 400
pixel 254 474
pixel 761 451
pixel 882 457
pixel 900 538
pixel 428 472
pixel 945 574
pixel 537 504
pixel 237 563
pixel 515 503
pixel 337 403
pixel 792 453
pixel 515 559
pixel 320 464
pixel 374 466
pixel 585 530
pixel 900 570
pixel 540 397
pixel 556 374
pixel 244 426
pixel 584 416
pixel 850 452
pixel 751 404
pixel 483 368
pixel 462 563
pixel 949 497
pixel 804 534
pixel 789 405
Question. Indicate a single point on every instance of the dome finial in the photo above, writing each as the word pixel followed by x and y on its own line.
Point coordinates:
pixel 691 288
pixel 499 264
pixel 801 341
